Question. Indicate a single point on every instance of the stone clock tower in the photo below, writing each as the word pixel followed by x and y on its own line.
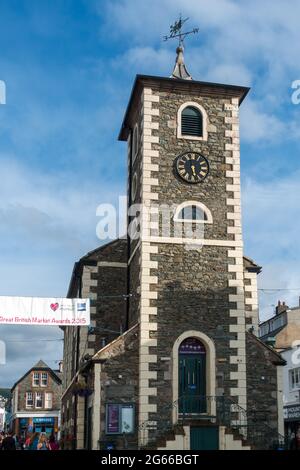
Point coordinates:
pixel 188 361
pixel 184 153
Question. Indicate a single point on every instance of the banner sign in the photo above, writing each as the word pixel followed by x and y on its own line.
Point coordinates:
pixel 44 311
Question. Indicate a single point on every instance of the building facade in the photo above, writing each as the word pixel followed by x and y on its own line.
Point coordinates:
pixel 36 401
pixel 181 373
pixel 282 331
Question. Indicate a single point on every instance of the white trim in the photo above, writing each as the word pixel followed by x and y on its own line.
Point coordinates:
pixel 96 407
pixel 43 414
pixel 210 368
pixel 204 121
pixel 193 241
pixel 197 204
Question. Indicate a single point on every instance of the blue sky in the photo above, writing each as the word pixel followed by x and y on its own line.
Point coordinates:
pixel 68 68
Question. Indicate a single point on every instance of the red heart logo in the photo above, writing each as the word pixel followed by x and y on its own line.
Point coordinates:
pixel 54 307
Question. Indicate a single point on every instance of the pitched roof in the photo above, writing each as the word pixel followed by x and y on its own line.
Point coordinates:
pixel 40 365
pixel 251 266
pixel 277 359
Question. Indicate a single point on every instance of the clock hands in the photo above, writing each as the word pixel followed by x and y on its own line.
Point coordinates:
pixel 193 170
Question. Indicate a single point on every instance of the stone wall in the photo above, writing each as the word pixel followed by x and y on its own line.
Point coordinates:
pixel 119 382
pixel 262 384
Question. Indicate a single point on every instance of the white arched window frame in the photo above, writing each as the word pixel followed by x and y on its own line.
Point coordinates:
pixel 204 121
pixel 202 207
pixel 135 142
pixel 210 369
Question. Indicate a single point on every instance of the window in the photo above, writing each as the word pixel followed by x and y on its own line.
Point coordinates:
pixel 48 401
pixel 36 379
pixel 29 400
pixel 192 121
pixel 135 142
pixel 134 187
pixel 44 379
pixel 39 400
pixel 295 378
pixel 193 211
pixel 119 418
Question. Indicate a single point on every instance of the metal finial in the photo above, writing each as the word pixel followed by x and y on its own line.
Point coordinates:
pixel 180 70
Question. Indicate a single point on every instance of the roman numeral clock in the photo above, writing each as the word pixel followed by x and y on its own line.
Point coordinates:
pixel 192 167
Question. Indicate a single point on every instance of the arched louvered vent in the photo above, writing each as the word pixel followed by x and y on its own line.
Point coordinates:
pixel 191 122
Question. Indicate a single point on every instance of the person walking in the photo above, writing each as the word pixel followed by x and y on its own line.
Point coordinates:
pixel 33 442
pixel 53 444
pixel 8 442
pixel 43 443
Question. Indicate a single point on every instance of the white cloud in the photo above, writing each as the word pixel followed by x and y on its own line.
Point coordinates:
pixel 271 215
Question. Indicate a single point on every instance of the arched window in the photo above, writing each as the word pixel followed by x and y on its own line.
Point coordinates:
pixel 192 121
pixel 193 211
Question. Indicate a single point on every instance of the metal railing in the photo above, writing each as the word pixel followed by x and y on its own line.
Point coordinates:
pixel 250 425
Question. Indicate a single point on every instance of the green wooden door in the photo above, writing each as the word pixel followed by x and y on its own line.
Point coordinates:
pixel 204 438
pixel 192 383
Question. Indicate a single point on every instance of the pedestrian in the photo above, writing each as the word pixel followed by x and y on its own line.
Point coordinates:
pixel 53 444
pixel 8 442
pixel 33 441
pixel 43 443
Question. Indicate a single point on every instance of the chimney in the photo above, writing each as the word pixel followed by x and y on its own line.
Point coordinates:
pixel 281 307
pixel 60 366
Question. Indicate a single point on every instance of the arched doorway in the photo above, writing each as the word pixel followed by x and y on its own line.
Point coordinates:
pixel 192 376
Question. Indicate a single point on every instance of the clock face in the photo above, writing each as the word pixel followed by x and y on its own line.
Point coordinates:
pixel 192 167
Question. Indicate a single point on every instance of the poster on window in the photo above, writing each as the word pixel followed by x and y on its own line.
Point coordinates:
pixel 127 419
pixel 44 311
pixel 113 424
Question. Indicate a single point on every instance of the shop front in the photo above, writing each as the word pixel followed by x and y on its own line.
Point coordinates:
pixel 44 424
pixel 292 424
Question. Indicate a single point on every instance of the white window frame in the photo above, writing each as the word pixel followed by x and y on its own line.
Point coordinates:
pixel 48 399
pixel 204 121
pixel 32 399
pixel 41 378
pixel 36 399
pixel 295 372
pixel 36 375
pixel 195 221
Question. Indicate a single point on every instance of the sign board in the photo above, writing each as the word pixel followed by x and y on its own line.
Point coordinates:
pixel 43 420
pixel 44 311
pixel 292 412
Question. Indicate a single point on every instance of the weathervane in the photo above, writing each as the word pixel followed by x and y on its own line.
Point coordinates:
pixel 180 70
pixel 176 31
